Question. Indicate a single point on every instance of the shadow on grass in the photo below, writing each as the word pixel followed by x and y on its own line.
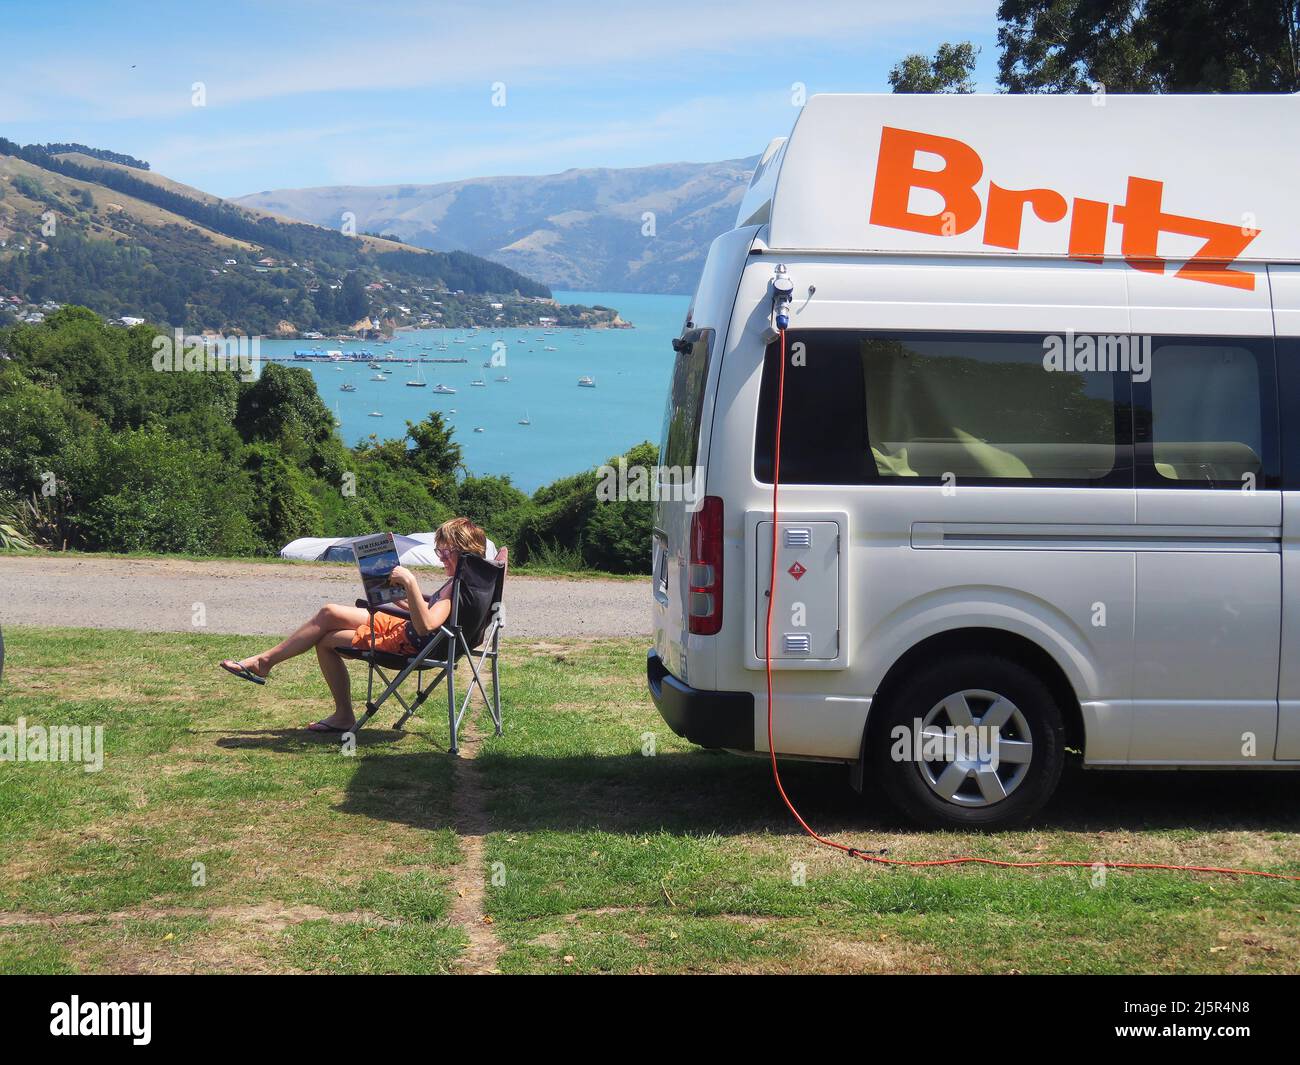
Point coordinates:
pixel 286 741
pixel 703 792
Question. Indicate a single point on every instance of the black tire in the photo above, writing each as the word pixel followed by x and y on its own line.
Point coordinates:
pixel 1031 784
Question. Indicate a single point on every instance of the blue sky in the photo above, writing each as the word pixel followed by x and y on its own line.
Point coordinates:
pixel 330 93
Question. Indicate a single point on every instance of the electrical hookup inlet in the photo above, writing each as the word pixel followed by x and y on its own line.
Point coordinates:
pixel 782 294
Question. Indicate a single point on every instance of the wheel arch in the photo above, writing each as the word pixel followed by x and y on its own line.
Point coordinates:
pixel 978 640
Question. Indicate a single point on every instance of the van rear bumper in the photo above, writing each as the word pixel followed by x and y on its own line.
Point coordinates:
pixel 711 719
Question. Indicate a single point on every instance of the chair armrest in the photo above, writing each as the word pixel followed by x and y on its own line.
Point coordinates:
pixel 396 612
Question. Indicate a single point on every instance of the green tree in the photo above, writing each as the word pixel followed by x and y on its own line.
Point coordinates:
pixel 140 490
pixel 617 537
pixel 280 503
pixel 283 407
pixel 495 504
pixel 952 70
pixel 353 304
pixel 36 423
pixel 1143 46
pixel 435 456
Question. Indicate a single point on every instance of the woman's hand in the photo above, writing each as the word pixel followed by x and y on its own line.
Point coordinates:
pixel 424 617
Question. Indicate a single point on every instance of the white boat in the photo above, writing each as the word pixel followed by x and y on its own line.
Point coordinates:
pixel 443 390
pixel 378 377
pixel 586 382
pixel 550 347
pixel 504 379
pixel 478 428
pixel 376 414
pixel 525 420
pixel 347 386
pixel 419 381
pixel 479 383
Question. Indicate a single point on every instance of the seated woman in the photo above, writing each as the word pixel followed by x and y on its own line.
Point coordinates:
pixel 349 626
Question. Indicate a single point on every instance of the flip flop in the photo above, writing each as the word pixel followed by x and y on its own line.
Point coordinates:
pixel 242 672
pixel 321 726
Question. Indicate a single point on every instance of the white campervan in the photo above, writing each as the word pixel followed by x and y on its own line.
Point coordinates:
pixel 1038 462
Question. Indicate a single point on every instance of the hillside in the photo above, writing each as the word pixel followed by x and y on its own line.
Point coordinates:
pixel 582 229
pixel 130 242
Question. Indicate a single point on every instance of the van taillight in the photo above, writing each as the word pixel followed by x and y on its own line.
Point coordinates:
pixel 704 609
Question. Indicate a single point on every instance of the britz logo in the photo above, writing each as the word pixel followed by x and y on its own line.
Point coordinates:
pixel 103 1018
pixel 1140 215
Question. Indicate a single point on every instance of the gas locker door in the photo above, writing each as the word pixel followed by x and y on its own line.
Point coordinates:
pixel 808 612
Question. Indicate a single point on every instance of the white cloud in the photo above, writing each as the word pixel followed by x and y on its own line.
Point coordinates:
pixel 345 48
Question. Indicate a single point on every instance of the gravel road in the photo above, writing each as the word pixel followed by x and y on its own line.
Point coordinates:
pixel 270 598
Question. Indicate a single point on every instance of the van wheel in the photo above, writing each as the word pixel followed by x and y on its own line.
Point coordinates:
pixel 988 750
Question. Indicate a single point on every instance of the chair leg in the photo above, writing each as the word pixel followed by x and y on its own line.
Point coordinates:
pixel 451 706
pixel 371 708
pixel 496 680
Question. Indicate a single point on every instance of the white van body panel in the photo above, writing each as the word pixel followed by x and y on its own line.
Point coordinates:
pixel 711 309
pixel 900 595
pixel 1172 613
pixel 1284 281
pixel 1204 149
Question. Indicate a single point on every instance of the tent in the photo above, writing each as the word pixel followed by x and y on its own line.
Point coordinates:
pixel 413 550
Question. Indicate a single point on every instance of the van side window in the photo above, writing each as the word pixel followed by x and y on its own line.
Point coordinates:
pixel 680 439
pixel 926 408
pixel 1288 398
pixel 1206 417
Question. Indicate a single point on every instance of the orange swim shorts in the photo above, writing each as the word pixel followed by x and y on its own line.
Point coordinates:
pixel 393 635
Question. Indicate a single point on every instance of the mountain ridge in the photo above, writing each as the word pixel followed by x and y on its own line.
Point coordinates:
pixel 131 242
pixel 626 229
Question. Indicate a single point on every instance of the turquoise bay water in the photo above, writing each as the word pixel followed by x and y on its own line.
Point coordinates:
pixel 572 428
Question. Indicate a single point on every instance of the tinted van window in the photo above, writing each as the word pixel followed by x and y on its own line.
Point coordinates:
pixel 865 407
pixel 680 438
pixel 1206 417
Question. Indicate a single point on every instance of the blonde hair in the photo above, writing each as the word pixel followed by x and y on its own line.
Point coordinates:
pixel 462 536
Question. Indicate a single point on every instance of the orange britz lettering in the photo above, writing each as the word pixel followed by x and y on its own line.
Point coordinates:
pixel 897 176
pixel 1141 217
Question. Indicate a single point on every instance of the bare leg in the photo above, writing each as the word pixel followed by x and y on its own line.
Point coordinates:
pixel 329 618
pixel 336 676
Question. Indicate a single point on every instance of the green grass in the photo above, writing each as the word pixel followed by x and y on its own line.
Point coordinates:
pixel 614 846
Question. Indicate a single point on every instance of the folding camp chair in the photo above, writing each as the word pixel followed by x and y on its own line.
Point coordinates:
pixel 475 622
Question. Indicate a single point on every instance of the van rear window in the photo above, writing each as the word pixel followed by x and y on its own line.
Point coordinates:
pixel 680 439
pixel 868 407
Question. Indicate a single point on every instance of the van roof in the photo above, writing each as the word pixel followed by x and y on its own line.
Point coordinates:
pixel 1085 176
